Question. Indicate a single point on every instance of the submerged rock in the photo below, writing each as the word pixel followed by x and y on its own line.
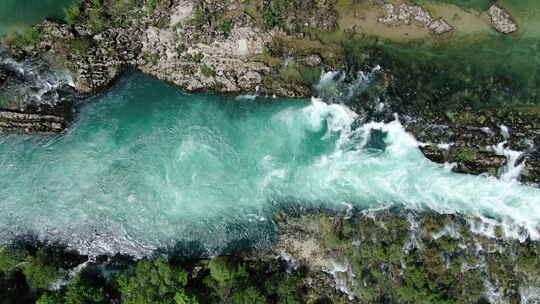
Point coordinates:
pixel 440 26
pixel 501 20
pixel 413 14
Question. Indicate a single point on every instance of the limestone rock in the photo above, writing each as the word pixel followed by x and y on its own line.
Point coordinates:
pixel 501 20
pixel 440 26
pixel 312 60
pixel 413 14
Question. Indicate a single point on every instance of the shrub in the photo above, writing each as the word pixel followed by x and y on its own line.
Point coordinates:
pixel 197 58
pixel 180 49
pixel 48 298
pixel 98 20
pixel 31 36
pixel 225 276
pixel 73 13
pixel 81 45
pixel 248 295
pixel 41 270
pixel 83 292
pixel 199 17
pixel 275 13
pixel 226 27
pixel 207 71
pixel 152 5
pixel 154 282
pixel 8 260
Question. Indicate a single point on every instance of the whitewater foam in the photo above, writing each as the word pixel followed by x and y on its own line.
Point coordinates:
pixel 150 168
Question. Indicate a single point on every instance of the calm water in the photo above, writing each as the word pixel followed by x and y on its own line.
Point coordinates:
pixel 149 166
pixel 15 15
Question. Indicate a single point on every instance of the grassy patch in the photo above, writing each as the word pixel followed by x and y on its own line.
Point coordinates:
pixel 275 13
pixel 197 58
pixel 31 36
pixel 480 5
pixel 81 45
pixel 467 154
pixel 73 13
pixel 207 71
pixel 226 27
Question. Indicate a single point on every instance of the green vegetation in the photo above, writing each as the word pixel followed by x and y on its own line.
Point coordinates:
pixel 388 268
pixel 275 13
pixel 180 49
pixel 226 27
pixel 152 4
pixel 467 154
pixel 42 269
pixel 199 17
pixel 207 71
pixel 98 20
pixel 31 36
pixel 81 45
pixel 154 282
pixel 479 5
pixel 197 58
pixel 73 13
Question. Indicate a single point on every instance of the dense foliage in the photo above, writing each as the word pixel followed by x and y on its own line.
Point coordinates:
pixel 387 268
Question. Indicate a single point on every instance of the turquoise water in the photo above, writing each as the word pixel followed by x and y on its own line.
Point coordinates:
pixel 147 166
pixel 16 15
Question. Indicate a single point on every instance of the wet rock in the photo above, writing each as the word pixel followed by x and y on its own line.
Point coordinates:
pixel 501 20
pixel 31 123
pixel 434 153
pixel 531 172
pixel 312 60
pixel 413 14
pixel 440 26
pixel 382 254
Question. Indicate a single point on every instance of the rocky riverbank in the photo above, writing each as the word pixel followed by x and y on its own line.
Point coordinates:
pixel 280 48
pixel 386 256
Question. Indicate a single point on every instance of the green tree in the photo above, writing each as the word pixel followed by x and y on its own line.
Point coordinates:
pixel 248 295
pixel 41 270
pixel 84 291
pixel 8 260
pixel 50 298
pixel 154 282
pixel 73 13
pixel 225 275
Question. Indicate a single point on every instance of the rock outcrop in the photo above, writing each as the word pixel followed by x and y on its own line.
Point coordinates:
pixel 31 123
pixel 408 14
pixel 501 20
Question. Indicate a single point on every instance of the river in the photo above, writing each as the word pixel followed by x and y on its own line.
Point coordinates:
pixel 16 15
pixel 148 167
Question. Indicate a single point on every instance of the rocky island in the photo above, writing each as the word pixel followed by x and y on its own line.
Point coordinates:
pixel 445 69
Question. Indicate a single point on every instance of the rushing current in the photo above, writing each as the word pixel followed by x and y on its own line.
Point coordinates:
pixel 147 167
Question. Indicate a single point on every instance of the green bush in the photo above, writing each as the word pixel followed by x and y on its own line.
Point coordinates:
pixel 81 45
pixel 249 295
pixel 180 49
pixel 49 298
pixel 73 13
pixel 225 276
pixel 84 292
pixel 207 71
pixel 8 260
pixel 275 13
pixel 226 27
pixel 152 5
pixel 199 17
pixel 197 58
pixel 41 270
pixel 98 20
pixel 156 282
pixel 31 36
